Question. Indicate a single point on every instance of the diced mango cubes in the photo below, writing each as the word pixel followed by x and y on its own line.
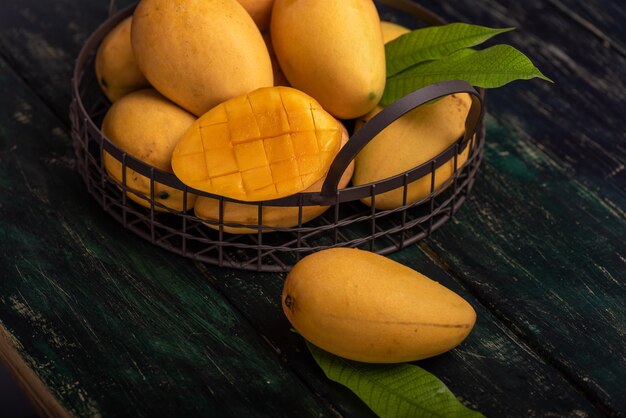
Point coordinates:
pixel 270 143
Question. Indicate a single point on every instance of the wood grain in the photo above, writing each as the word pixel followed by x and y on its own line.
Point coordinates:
pixel 492 371
pixel 41 44
pixel 112 326
pixel 578 121
pixel 541 242
pixel 538 250
pixel 603 18
pixel 546 255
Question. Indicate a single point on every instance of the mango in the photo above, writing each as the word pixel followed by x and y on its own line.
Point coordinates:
pixel 333 51
pixel 147 126
pixel 366 307
pixel 272 216
pixel 409 142
pixel 270 143
pixel 279 76
pixel 260 11
pixel 116 69
pixel 199 53
pixel 392 30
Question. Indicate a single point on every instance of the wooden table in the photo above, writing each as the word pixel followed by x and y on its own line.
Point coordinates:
pixel 98 322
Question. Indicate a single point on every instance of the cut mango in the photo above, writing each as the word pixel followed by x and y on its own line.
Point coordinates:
pixel 270 143
pixel 272 216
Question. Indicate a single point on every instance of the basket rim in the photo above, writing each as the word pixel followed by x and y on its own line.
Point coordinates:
pixel 344 222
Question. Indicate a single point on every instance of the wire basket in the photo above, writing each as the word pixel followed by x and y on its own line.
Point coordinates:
pixel 347 222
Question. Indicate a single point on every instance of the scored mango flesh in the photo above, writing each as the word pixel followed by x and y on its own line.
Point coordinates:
pixel 270 143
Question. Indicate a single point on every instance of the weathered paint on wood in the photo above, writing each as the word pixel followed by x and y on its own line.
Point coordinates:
pixel 492 371
pixel 552 211
pixel 41 41
pixel 548 257
pixel 109 324
pixel 578 121
pixel 558 239
pixel 603 18
pixel 485 361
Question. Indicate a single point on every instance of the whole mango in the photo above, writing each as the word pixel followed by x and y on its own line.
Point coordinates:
pixel 333 51
pixel 409 142
pixel 366 307
pixel 279 76
pixel 147 126
pixel 199 53
pixel 116 69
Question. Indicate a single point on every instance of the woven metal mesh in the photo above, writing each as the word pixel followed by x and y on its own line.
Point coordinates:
pixel 346 223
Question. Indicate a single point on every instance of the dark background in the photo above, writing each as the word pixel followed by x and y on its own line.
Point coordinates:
pixel 13 403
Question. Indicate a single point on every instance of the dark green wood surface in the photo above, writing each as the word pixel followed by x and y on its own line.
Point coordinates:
pixel 577 120
pixel 116 327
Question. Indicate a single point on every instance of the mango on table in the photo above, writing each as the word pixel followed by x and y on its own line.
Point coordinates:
pixel 198 53
pixel 366 307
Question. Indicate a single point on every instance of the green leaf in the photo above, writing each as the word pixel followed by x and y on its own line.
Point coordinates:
pixel 434 42
pixel 491 67
pixel 393 390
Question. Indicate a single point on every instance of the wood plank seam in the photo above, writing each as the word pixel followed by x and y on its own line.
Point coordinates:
pixel 27 370
pixel 231 296
pixel 435 259
pixel 551 159
pixel 327 403
pixel 520 338
pixel 63 120
pixel 587 25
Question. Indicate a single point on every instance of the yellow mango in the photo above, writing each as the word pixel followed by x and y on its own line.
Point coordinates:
pixel 279 76
pixel 260 10
pixel 270 143
pixel 392 30
pixel 333 51
pixel 199 53
pixel 147 126
pixel 116 69
pixel 273 216
pixel 366 307
pixel 410 141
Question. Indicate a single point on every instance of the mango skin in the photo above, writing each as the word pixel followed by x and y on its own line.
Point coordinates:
pixel 279 76
pixel 342 69
pixel 392 30
pixel 366 307
pixel 260 11
pixel 116 68
pixel 199 53
pixel 409 142
pixel 273 216
pixel 147 126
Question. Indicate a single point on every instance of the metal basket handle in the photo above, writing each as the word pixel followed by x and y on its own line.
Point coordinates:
pixel 112 7
pixel 393 112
